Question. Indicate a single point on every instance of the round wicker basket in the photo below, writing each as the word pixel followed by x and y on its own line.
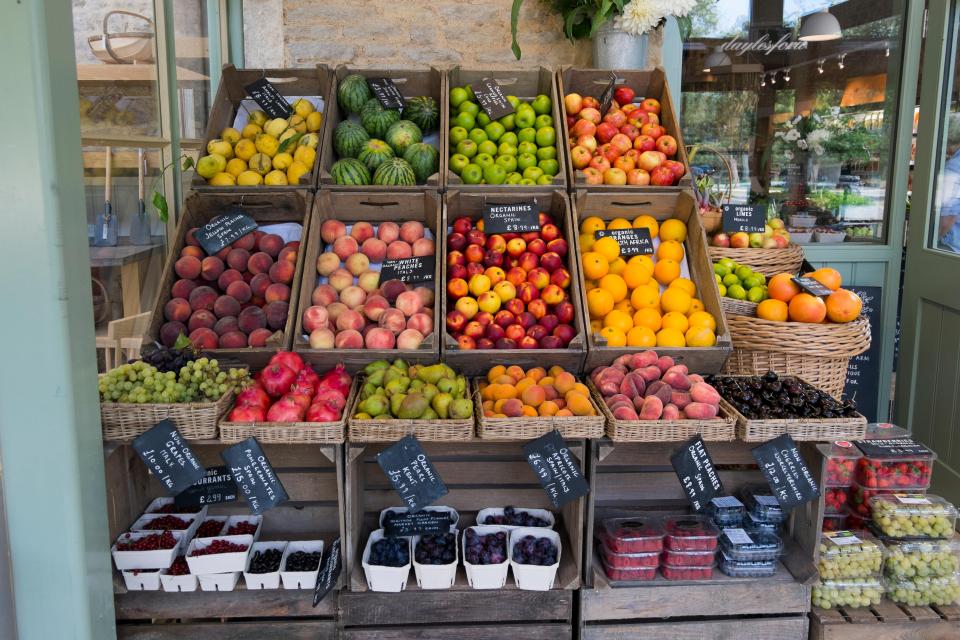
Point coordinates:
pixel 769 262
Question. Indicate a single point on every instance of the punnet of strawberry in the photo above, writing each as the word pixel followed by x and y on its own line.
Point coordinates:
pixel 892 473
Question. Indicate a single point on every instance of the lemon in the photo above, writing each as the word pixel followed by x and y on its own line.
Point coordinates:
pixel 311 140
pixel 275 177
pixel 305 155
pixel 296 170
pixel 231 135
pixel 249 178
pixel 260 163
pixel 222 179
pixel 258 118
pixel 282 161
pixel 276 126
pixel 210 165
pixel 220 147
pixel 314 121
pixel 298 123
pixel 245 149
pixel 302 107
pixel 236 166
pixel 267 144
pixel 251 131
pixel 286 135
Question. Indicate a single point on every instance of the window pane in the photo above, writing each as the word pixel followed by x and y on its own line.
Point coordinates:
pixel 945 231
pixel 193 66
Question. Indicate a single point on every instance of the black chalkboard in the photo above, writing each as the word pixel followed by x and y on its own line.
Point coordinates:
pixel 786 472
pixel 418 269
pixel 411 524
pixel 696 472
pixel 606 98
pixel 215 486
pixel 225 229
pixel 411 473
pixel 893 448
pixel 519 217
pixel 270 100
pixel 255 478
pixel 330 568
pixel 168 457
pixel 386 92
pixel 556 468
pixel 811 286
pixel 633 242
pixel 492 99
pixel 751 218
pixel 863 371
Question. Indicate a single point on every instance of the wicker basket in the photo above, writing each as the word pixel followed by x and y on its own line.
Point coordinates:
pixel 733 307
pixel 424 430
pixel 818 353
pixel 194 420
pixel 528 428
pixel 233 432
pixel 711 221
pixel 769 262
pixel 721 429
pixel 799 429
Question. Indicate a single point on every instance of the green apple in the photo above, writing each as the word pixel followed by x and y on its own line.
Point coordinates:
pixel 483 160
pixel 457 162
pixel 532 173
pixel 541 104
pixel 465 120
pixel 458 135
pixel 472 174
pixel 528 147
pixel 543 121
pixel 527 182
pixel 546 137
pixel 478 135
pixel 547 153
pixel 545 179
pixel 525 117
pixel 507 149
pixel 525 161
pixel 487 146
pixel 483 119
pixel 458 95
pixel 469 107
pixel 509 163
pixel 527 134
pixel 494 131
pixel 549 167
pixel 514 178
pixel 495 174
pixel 509 138
pixel 467 148
pixel 508 122
pixel 514 101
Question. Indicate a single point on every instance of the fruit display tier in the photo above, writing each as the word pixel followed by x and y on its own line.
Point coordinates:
pixel 395 207
pixel 523 84
pixel 628 479
pixel 663 206
pixel 645 84
pixel 232 104
pixel 885 620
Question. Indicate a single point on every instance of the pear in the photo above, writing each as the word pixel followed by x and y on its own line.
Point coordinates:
pixel 461 387
pixel 461 409
pixel 412 407
pixel 362 416
pixel 374 405
pixel 416 385
pixel 429 390
pixel 376 378
pixel 429 414
pixel 395 402
pixel 400 364
pixel 376 365
pixel 397 385
pixel 441 404
pixel 447 385
pixel 433 373
pixel 368 390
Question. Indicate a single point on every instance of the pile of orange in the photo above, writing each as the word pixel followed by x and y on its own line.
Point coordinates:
pixel 788 301
pixel 511 392
pixel 642 301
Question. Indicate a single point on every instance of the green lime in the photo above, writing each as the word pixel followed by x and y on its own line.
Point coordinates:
pixel 494 131
pixel 720 270
pixel 506 149
pixel 744 272
pixel 487 147
pixel 457 96
pixel 478 135
pixel 495 174
pixel 532 173
pixel 550 167
pixel 753 280
pixel 458 135
pixel 528 134
pixel 467 148
pixel 469 107
pixel 716 276
pixel 465 120
pixel 483 160
pixel 509 138
pixel 736 292
pixel 508 162
pixel 457 162
pixel 723 289
pixel 526 160
pixel 472 174
pixel 541 104
pixel 514 178
pixel 728 263
pixel 731 279
pixel 755 294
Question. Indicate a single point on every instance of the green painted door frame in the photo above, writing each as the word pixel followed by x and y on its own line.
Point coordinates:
pixel 50 439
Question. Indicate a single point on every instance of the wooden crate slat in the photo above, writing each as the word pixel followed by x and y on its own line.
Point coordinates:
pixel 948 612
pixel 659 486
pixel 240 603
pixel 921 614
pixel 289 630
pixel 890 613
pixel 467 499
pixel 534 631
pixel 658 453
pixel 827 616
pixel 784 628
pixel 281 456
pixel 861 615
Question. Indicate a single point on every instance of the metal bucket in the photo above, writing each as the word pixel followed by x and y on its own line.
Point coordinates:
pixel 614 48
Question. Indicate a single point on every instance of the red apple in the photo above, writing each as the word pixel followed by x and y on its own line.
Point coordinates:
pixel 462 225
pixel 608 152
pixel 573 102
pixel 624 94
pixel 638 177
pixel 593 175
pixel 740 240
pixel 617 176
pixel 662 176
pixel 571 120
pixel 677 168
pixel 652 130
pixel 590 114
pixel 621 143
pixel 648 161
pixel 625 164
pixel 720 240
pixel 650 105
pixel 580 157
pixel 584 127
pixel 638 118
pixel 644 143
pixel 589 102
pixel 588 142
pixel 606 131
pixel 630 131
pixel 629 108
pixel 616 118
pixel 667 145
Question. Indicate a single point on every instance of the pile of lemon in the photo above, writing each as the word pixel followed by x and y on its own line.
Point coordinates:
pixel 642 301
pixel 272 152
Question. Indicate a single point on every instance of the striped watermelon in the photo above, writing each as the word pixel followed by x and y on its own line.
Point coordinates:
pixel 376 122
pixel 350 171
pixel 353 93
pixel 348 138
pixel 395 172
pixel 423 112
pixel 374 153
pixel 373 104
pixel 401 135
pixel 424 160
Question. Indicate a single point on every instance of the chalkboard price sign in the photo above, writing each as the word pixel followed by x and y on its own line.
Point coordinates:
pixel 411 473
pixel 556 468
pixel 418 269
pixel 224 229
pixel 329 572
pixel 520 217
pixel 696 472
pixel 606 98
pixel 750 218
pixel 270 100
pixel 215 486
pixel 492 99
pixel 386 92
pixel 633 242
pixel 255 477
pixel 811 286
pixel 168 457
pixel 863 372
pixel 786 472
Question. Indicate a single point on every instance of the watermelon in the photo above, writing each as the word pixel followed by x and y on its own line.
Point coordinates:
pixel 353 93
pixel 376 122
pixel 401 135
pixel 374 153
pixel 395 172
pixel 350 171
pixel 424 160
pixel 423 112
pixel 373 104
pixel 348 139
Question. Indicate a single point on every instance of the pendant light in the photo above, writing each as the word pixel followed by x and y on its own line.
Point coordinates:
pixel 819 27
pixel 716 59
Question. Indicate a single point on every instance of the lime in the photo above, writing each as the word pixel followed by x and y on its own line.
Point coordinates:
pixel 483 160
pixel 717 277
pixel 723 289
pixel 547 153
pixel 525 161
pixel 744 272
pixel 509 138
pixel 487 147
pixel 508 162
pixel 755 294
pixel 731 279
pixel 508 122
pixel 467 148
pixel 494 131
pixel 495 174
pixel 543 121
pixel 541 104
pixel 528 134
pixel 465 120
pixel 533 173
pixel 549 167
pixel 728 263
pixel 457 162
pixel 506 149
pixel 753 280
pixel 457 96
pixel 720 270
pixel 472 174
pixel 458 135
pixel 737 292
pixel 478 135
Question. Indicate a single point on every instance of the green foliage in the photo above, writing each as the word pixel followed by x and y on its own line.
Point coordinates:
pixel 158 200
pixel 581 18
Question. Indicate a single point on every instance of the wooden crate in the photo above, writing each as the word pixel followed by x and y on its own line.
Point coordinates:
pixel 647 84
pixel 411 83
pixel 886 621
pixel 316 81
pixel 525 84
pixel 478 474
pixel 265 207
pixel 662 206
pixel 476 362
pixel 312 476
pixel 349 207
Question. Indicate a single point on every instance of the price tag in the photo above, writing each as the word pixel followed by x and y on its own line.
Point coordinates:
pixel 225 229
pixel 738 536
pixel 911 498
pixel 726 502
pixel 750 218
pixel 633 242
pixel 411 524
pixel 811 286
pixel 411 473
pixel 215 487
pixel 254 475
pixel 492 99
pixel 606 98
pixel 786 472
pixel 386 92
pixel 696 473
pixel 556 468
pixel 269 98
pixel 168 457
pixel 330 568
pixel 841 538
pixel 418 269
pixel 893 448
pixel 521 217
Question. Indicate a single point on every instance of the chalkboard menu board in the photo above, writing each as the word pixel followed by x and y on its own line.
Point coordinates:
pixel 490 95
pixel 411 473
pixel 254 475
pixel 416 269
pixel 224 229
pixel 168 457
pixel 269 98
pixel 519 217
pixel 786 472
pixel 215 486
pixel 750 218
pixel 386 92
pixel 863 371
pixel 633 242
pixel 556 468
pixel 696 473
pixel 811 286
pixel 329 572
pixel 411 524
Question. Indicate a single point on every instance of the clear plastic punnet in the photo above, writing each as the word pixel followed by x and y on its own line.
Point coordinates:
pixel 911 559
pixel 758 546
pixel 736 569
pixel 639 534
pixel 763 505
pixel 689 558
pixel 690 533
pixel 849 554
pixel 908 515
pixel 921 592
pixel 911 471
pixel 848 593
pixel 841 464
pixel 629 560
pixel 726 511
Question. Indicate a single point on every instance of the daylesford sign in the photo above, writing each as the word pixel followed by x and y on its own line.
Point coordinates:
pixel 765 44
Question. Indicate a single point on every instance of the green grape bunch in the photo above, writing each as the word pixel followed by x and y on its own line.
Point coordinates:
pixel 922 592
pixel 858 560
pixel 899 520
pixel 922 559
pixel 847 593
pixel 201 380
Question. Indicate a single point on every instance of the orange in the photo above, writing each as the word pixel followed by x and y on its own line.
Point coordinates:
pixel 695 305
pixel 641 337
pixel 636 274
pixel 595 265
pixel 670 250
pixel 625 306
pixel 843 306
pixel 649 318
pixel 670 338
pixel 586 242
pixel 642 259
pixel 614 337
pixel 599 302
pixel 645 298
pixel 675 299
pixel 782 287
pixel 615 285
pixel 807 308
pixel 617 266
pixel 496 372
pixel 676 320
pixel 698 336
pixel 686 284
pixel 666 271
pixel 591 224
pixel 608 248
pixel 673 230
pixel 830 278
pixel 619 223
pixel 649 222
pixel 702 319
pixel 596 326
pixel 619 320
pixel 773 310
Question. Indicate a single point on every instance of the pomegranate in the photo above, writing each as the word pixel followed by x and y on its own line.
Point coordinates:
pixel 330 398
pixel 277 379
pixel 247 413
pixel 285 410
pixel 253 397
pixel 306 382
pixel 288 358
pixel 299 399
pixel 337 379
pixel 321 413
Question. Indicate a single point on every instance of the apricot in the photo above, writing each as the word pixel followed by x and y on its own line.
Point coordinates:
pixel 188 267
pixel 564 413
pixel 512 408
pixel 515 372
pixel 233 340
pixel 271 244
pixel 548 408
pixel 259 337
pixel 226 306
pixel 170 331
pixel 177 310
pixel 534 395
pixel 555 370
pixel 537 373
pixel 203 298
pixel 563 381
pixel 529 412
pixel 579 404
pixel 204 338
pixel 252 318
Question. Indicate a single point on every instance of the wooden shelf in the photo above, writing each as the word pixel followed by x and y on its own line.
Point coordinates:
pixel 131 73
